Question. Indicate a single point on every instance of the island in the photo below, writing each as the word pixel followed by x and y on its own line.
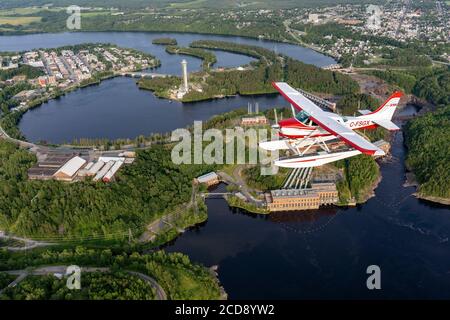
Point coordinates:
pixel 165 41
pixel 253 79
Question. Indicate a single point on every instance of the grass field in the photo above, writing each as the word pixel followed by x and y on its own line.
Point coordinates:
pixel 19 11
pixel 187 5
pixel 95 13
pixel 17 21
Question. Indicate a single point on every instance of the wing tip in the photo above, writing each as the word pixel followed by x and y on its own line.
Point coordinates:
pixel 379 152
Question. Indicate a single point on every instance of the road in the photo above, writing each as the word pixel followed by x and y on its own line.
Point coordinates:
pixel 23 144
pixel 46 270
pixel 238 180
pixel 160 293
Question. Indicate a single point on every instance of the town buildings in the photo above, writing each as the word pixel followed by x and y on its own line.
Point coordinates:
pixel 66 68
pixel 254 121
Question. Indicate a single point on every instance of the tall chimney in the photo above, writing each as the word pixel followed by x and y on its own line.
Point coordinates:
pixel 185 75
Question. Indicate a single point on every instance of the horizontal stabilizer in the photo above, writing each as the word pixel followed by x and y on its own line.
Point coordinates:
pixel 364 112
pixel 387 124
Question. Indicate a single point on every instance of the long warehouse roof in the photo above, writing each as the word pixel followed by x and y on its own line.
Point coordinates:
pixel 72 166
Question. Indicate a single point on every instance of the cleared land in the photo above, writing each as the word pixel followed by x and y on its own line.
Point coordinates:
pixel 18 21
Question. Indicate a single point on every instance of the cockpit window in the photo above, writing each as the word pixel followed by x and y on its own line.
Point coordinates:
pixel 302 116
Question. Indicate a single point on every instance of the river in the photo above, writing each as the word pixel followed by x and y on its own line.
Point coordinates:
pixel 117 108
pixel 315 254
pixel 323 254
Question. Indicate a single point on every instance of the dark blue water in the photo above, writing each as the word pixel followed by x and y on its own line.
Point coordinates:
pixel 324 254
pixel 118 109
pixel 143 41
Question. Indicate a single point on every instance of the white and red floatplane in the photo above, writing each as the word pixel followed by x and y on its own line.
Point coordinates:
pixel 312 127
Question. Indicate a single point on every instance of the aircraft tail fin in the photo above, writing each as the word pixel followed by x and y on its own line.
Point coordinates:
pixel 387 109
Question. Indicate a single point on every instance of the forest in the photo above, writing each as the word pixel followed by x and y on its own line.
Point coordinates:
pixel 431 84
pixel 349 104
pixel 405 58
pixel 96 286
pixel 165 41
pixel 5 279
pixel 255 180
pixel 257 79
pixel 160 86
pixel 278 68
pixel 174 272
pixel 26 70
pixel 143 192
pixel 8 92
pixel 360 174
pixel 427 139
pixel 435 87
pixel 400 79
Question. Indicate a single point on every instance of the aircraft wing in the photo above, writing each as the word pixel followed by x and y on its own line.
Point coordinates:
pixel 299 101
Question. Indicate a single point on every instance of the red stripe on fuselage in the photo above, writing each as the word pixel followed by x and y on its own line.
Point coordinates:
pixel 294 123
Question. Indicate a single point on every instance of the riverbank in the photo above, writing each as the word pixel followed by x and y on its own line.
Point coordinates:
pixel 426 140
pixel 411 181
pixel 443 201
pixel 371 189
pixel 235 202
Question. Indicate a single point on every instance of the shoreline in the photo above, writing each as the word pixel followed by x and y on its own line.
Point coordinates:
pixel 410 181
pixel 308 47
pixel 435 200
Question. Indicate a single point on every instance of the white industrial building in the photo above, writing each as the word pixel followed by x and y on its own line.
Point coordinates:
pixel 110 174
pixel 69 170
pixel 95 168
pixel 103 171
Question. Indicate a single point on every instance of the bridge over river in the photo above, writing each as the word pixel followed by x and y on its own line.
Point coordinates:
pixel 142 75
